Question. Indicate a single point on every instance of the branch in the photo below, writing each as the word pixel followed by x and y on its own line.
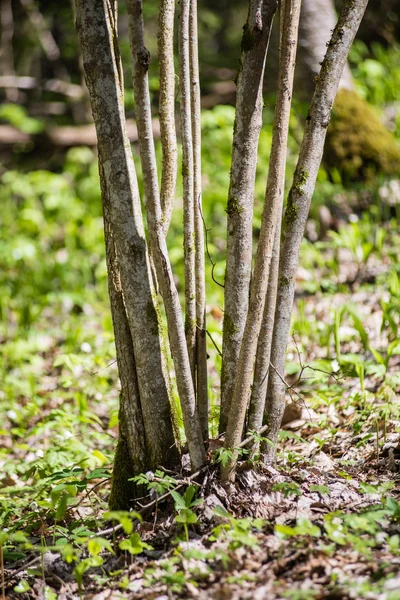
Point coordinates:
pixel 187 176
pixel 201 340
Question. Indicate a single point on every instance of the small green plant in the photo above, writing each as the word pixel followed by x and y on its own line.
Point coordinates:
pixel 323 490
pixel 134 544
pixel 158 481
pixel 124 517
pixel 184 508
pixel 168 573
pixel 300 594
pixel 223 455
pixel 288 488
pixel 238 532
pixel 303 527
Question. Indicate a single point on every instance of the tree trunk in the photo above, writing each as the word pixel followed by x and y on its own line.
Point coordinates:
pixel 7 48
pixel 130 456
pixel 261 369
pixel 201 346
pixel 187 176
pixel 180 355
pixel 249 103
pixel 96 26
pixel 271 216
pixel 299 200
pixel 167 109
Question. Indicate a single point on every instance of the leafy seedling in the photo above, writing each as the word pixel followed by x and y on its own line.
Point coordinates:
pixel 183 508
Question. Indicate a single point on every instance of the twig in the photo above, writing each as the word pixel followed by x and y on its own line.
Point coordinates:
pixel 103 368
pixel 27 565
pixel 304 367
pixel 215 345
pixel 88 492
pixel 286 384
pixel 213 264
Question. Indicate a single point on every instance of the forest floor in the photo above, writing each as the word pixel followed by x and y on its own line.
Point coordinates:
pixel 323 522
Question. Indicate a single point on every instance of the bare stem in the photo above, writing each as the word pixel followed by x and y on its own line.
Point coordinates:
pixel 299 200
pixel 187 175
pixel 270 217
pixel 249 104
pixel 201 345
pixel 261 369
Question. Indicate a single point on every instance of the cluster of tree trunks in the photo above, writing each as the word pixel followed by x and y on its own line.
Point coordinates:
pixel 259 298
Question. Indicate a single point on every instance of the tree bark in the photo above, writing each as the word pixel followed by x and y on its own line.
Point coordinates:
pixel 167 109
pixel 140 62
pixel 263 354
pixel 201 345
pixel 96 26
pixel 270 217
pixel 249 104
pixel 298 203
pixel 187 175
pixel 131 456
pixel 7 48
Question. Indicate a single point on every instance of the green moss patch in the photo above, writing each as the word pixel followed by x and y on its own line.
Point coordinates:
pixel 358 145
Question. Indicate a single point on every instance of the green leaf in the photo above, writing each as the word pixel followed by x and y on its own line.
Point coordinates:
pixel 134 545
pixel 96 545
pixel 61 507
pixel 186 516
pixel 125 518
pixel 22 586
pixel 377 355
pixel 220 511
pixel 180 503
pixel 321 489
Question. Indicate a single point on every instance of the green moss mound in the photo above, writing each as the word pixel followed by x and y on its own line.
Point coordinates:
pixel 358 146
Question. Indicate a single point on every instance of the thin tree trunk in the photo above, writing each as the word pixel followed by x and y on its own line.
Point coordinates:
pixel 299 200
pixel 167 109
pixel 270 217
pixel 96 26
pixel 141 61
pixel 45 37
pixel 261 369
pixel 201 346
pixel 187 175
pixel 249 104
